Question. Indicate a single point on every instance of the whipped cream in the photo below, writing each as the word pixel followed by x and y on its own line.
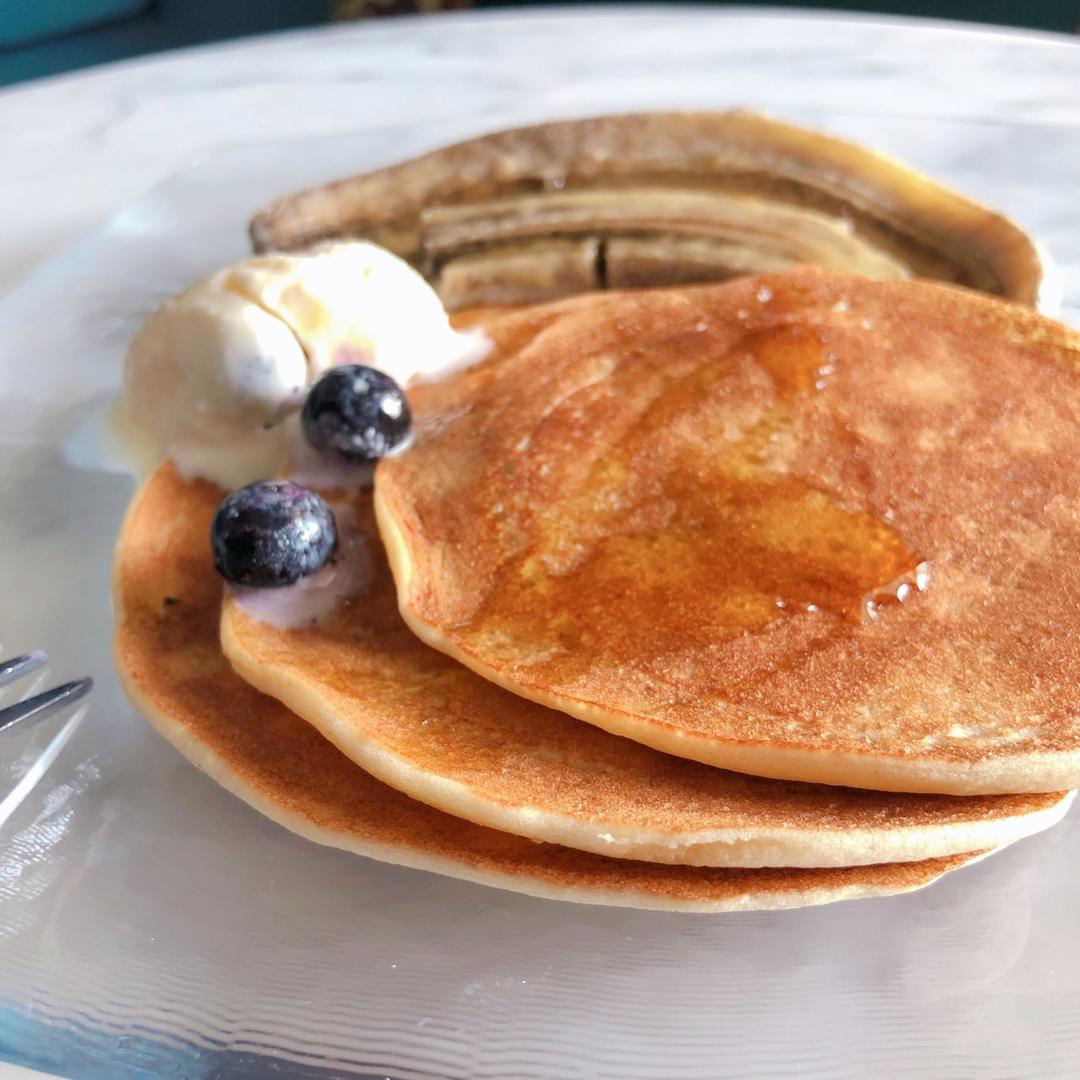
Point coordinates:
pixel 217 369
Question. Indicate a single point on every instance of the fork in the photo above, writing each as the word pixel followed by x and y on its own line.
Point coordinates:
pixel 41 705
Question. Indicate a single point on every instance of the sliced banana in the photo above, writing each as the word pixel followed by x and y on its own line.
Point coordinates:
pixel 657 199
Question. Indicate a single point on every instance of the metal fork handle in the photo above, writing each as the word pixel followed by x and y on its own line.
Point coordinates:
pixel 38 707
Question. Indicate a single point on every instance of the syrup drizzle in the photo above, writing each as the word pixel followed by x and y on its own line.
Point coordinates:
pixel 726 543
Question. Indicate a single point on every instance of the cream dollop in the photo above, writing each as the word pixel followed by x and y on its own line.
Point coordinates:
pixel 215 371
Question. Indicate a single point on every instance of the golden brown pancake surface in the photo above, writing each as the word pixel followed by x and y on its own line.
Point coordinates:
pixel 167 603
pixel 690 517
pixel 430 727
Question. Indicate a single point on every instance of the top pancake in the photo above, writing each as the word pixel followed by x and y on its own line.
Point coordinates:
pixel 687 517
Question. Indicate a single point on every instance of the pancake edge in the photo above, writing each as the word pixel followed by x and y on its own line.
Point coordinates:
pixel 734 847
pixel 217 769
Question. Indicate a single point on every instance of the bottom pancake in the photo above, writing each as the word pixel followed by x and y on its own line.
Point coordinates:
pixel 167 607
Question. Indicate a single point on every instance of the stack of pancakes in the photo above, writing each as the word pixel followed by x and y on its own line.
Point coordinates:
pixel 746 595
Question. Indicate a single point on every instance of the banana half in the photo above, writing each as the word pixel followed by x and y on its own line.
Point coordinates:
pixel 654 199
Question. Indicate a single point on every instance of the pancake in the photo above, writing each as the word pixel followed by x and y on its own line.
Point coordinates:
pixel 655 199
pixel 690 517
pixel 168 607
pixel 431 728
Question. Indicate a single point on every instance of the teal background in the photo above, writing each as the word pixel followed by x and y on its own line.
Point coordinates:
pixel 45 37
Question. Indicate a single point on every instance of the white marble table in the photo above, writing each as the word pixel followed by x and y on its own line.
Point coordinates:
pixel 79 146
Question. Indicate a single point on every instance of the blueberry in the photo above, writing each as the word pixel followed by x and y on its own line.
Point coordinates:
pixel 356 412
pixel 272 534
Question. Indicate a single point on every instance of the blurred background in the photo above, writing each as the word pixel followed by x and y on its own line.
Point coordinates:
pixel 44 37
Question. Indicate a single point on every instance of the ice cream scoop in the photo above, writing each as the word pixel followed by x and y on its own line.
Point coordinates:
pixel 215 371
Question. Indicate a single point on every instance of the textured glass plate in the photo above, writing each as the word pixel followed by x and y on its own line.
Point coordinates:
pixel 152 925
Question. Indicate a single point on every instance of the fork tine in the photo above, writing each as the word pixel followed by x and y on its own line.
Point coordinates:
pixel 42 705
pixel 18 666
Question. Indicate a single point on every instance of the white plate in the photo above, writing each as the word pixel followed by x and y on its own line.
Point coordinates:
pixel 152 925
